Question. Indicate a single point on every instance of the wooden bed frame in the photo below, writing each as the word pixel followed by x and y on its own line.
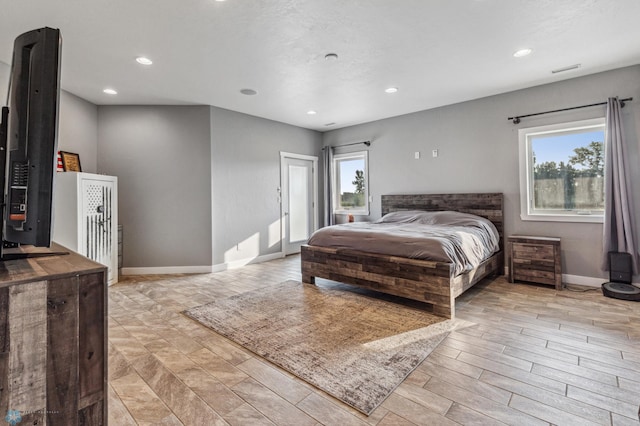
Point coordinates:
pixel 422 280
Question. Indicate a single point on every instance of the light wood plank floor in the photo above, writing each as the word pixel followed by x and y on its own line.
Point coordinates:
pixel 535 357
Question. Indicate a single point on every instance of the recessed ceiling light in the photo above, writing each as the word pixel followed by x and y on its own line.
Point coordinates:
pixel 522 52
pixel 391 89
pixel 311 112
pixel 331 56
pixel 248 92
pixel 143 60
pixel 110 91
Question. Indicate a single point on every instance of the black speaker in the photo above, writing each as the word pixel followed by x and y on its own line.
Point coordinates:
pixel 620 275
pixel 620 267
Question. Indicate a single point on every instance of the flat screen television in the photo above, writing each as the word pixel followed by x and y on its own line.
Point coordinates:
pixel 29 140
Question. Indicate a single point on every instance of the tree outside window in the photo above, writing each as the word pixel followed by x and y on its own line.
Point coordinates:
pixel 350 183
pixel 562 172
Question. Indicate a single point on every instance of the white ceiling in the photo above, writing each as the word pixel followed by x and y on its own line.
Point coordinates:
pixel 437 52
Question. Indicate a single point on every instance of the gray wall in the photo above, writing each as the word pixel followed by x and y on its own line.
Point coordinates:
pixel 245 171
pixel 161 155
pixel 478 152
pixel 183 171
pixel 4 82
pixel 78 130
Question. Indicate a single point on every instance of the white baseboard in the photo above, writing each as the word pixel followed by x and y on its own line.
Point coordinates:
pixel 243 262
pixel 575 279
pixel 585 281
pixel 165 270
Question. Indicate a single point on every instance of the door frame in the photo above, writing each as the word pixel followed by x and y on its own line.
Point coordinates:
pixel 314 176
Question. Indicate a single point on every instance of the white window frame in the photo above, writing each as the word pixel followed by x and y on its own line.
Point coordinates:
pixel 526 173
pixel 336 179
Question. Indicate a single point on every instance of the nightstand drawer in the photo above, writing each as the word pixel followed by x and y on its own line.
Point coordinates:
pixel 535 275
pixel 532 251
pixel 538 264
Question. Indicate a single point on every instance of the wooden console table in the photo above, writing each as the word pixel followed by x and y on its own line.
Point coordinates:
pixel 53 334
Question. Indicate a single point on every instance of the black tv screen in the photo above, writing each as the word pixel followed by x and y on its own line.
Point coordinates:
pixel 30 127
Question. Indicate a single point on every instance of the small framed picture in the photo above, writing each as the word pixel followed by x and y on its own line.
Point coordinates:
pixel 70 162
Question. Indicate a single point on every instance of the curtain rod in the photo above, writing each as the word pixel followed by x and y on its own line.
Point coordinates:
pixel 367 143
pixel 517 118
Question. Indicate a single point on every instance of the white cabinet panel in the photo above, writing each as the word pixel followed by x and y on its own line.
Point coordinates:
pixel 86 217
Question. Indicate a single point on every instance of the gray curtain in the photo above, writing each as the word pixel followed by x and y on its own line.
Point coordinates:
pixel 327 157
pixel 619 232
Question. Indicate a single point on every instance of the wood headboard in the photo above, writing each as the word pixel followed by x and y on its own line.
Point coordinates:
pixel 488 205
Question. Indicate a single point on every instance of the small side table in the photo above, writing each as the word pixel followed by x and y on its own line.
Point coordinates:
pixel 535 259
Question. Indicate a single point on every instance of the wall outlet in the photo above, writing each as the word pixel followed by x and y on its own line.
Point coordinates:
pixel 416 155
pixel 434 153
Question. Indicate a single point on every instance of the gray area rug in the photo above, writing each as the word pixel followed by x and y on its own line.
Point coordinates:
pixel 355 348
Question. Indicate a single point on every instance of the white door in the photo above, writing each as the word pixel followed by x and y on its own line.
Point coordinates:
pixel 299 200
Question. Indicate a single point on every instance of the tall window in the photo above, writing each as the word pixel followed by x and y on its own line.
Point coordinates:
pixel 351 183
pixel 562 172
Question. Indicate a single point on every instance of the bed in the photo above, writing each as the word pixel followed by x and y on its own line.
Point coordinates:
pixel 436 283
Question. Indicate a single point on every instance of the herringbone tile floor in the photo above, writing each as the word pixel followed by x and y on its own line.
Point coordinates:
pixel 536 356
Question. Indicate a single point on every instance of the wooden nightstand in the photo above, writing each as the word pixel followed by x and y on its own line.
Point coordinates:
pixel 535 259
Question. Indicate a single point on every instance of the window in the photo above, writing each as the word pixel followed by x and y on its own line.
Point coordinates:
pixel 562 172
pixel 351 183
